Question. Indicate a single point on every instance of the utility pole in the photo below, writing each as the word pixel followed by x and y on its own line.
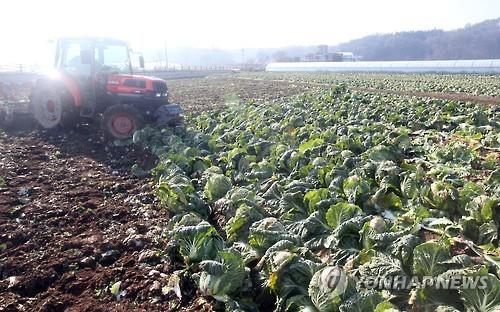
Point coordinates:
pixel 166 55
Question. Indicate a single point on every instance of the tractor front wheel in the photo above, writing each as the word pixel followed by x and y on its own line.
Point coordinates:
pixel 121 121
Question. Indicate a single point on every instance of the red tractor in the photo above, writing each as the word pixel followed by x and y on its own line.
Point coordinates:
pixel 94 79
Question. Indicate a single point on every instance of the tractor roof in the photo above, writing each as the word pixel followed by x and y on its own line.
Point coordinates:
pixel 94 39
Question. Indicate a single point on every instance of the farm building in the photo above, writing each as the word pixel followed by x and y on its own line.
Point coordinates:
pixel 325 54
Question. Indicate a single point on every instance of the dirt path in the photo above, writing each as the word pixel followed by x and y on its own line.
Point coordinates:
pixel 72 223
pixel 481 99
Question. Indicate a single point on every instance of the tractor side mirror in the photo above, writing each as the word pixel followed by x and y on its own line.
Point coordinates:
pixel 141 61
pixel 86 57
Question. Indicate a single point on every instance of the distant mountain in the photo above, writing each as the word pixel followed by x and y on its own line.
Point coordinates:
pixel 478 41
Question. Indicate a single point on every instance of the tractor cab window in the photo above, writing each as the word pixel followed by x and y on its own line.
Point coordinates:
pixel 72 62
pixel 115 58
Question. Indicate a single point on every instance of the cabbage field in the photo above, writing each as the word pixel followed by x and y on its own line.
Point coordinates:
pixel 277 194
pixel 267 199
pixel 478 85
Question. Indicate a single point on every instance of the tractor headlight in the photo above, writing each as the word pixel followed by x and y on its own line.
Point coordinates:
pixel 158 94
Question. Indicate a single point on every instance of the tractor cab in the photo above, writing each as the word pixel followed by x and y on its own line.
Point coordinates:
pixel 87 57
pixel 88 62
pixel 95 78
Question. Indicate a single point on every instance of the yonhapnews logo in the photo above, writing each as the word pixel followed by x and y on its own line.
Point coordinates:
pixel 336 279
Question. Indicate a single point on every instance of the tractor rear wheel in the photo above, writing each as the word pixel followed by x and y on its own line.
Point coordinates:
pixel 120 121
pixel 50 109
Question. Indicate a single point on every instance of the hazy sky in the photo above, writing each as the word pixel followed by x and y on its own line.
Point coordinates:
pixel 26 25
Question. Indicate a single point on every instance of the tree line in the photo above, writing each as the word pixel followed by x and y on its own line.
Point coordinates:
pixel 478 41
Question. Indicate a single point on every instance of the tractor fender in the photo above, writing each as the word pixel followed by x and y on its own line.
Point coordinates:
pixel 73 88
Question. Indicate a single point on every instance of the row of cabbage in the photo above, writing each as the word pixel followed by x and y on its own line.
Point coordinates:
pixel 488 85
pixel 269 200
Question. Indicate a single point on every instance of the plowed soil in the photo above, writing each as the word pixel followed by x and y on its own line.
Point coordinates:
pixel 201 94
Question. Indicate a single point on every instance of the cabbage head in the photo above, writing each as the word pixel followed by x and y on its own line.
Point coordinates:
pixel 217 187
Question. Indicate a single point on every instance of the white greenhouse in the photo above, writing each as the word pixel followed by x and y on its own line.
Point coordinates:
pixel 448 66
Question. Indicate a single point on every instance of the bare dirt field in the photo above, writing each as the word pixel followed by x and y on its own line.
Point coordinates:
pixel 200 94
